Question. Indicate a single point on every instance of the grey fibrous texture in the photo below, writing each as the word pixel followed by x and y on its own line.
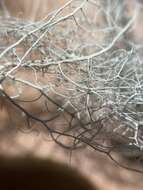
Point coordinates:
pixel 84 62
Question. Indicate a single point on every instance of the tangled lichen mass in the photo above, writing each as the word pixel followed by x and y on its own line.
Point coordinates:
pixel 85 69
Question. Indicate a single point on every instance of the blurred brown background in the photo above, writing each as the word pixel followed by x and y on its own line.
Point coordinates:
pixel 30 9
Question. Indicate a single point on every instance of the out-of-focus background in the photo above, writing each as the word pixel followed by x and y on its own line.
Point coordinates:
pixel 32 10
pixel 98 168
